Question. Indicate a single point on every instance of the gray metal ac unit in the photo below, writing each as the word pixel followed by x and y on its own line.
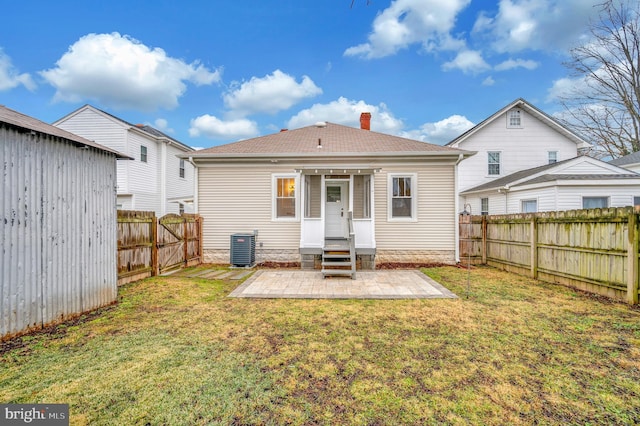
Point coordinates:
pixel 243 249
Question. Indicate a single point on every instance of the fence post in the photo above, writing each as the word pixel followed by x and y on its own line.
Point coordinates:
pixel 200 241
pixel 534 247
pixel 186 241
pixel 484 239
pixel 155 270
pixel 632 257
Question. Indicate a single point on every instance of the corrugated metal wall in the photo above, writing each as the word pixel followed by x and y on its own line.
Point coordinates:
pixel 58 218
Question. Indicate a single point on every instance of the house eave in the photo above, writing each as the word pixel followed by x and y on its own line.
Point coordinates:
pixel 274 157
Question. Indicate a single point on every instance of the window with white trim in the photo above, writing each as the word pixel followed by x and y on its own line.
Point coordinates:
pixel 181 172
pixel 553 157
pixel 529 206
pixel 484 206
pixel 514 119
pixel 402 196
pixel 493 163
pixel 143 153
pixel 284 197
pixel 595 202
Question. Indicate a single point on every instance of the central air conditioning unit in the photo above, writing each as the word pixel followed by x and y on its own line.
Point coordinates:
pixel 243 250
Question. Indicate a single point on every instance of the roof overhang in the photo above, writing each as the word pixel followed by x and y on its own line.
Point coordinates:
pixel 327 157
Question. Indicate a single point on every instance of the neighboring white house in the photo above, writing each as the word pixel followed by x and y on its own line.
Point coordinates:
pixel 157 180
pixel 298 187
pixel 577 183
pixel 629 162
pixel 58 215
pixel 517 137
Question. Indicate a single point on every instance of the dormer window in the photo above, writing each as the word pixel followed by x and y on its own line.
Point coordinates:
pixel 514 119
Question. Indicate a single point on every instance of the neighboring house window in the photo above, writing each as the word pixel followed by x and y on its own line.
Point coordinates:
pixel 181 168
pixel 529 206
pixel 514 119
pixel 402 193
pixel 493 163
pixel 484 206
pixel 143 153
pixel 181 208
pixel 285 197
pixel 553 157
pixel 595 202
pixel 636 201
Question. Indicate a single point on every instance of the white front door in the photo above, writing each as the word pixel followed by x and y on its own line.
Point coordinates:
pixel 336 208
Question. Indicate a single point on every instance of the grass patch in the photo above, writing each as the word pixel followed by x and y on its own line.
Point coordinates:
pixel 178 351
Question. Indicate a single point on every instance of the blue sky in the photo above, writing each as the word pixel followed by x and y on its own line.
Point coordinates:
pixel 212 72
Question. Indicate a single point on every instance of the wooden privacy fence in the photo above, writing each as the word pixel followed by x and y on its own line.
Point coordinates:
pixel 148 246
pixel 593 250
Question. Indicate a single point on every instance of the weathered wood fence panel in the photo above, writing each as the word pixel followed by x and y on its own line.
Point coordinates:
pixel 148 246
pixel 593 250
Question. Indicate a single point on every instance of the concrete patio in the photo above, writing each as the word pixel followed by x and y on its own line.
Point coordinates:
pixel 297 284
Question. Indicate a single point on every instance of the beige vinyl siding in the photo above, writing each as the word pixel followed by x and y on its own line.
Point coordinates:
pixel 435 227
pixel 238 199
pixel 315 198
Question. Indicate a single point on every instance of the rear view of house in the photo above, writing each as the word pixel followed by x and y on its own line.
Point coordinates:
pixel 297 190
pixel 156 180
pixel 58 215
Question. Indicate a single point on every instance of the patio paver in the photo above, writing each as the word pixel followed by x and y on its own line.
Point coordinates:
pixel 297 284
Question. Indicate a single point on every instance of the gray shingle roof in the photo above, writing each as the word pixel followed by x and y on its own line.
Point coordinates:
pixel 632 158
pixel 334 139
pixel 520 177
pixel 522 174
pixel 26 122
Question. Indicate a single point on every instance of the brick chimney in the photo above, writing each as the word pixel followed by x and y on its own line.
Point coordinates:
pixel 365 121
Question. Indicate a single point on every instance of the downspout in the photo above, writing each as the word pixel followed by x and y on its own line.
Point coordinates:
pixel 456 219
pixel 195 184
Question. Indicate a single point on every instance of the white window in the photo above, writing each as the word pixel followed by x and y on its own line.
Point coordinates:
pixel 484 206
pixel 181 168
pixel 284 197
pixel 514 119
pixel 402 197
pixel 595 202
pixel 143 153
pixel 529 206
pixel 553 157
pixel 493 162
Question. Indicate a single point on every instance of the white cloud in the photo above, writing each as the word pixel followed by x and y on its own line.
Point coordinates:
pixel 442 131
pixel 566 87
pixel 347 112
pixel 162 125
pixel 407 22
pixel 468 61
pixel 212 127
pixel 536 24
pixel 272 93
pixel 516 63
pixel 10 77
pixel 121 72
pixel 489 81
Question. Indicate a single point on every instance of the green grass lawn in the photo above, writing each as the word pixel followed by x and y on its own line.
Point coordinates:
pixel 178 351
